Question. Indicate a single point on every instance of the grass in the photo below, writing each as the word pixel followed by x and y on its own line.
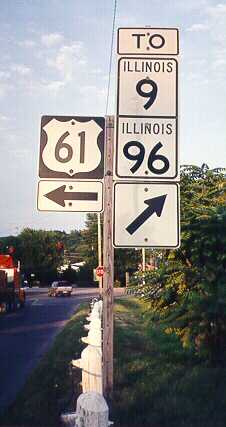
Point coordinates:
pixel 156 382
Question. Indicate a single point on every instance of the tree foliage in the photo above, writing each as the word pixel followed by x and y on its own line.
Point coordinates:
pixel 38 251
pixel 124 259
pixel 188 290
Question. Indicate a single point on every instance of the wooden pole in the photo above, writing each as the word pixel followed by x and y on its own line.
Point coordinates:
pixel 143 260
pixel 108 258
pixel 143 263
pixel 99 252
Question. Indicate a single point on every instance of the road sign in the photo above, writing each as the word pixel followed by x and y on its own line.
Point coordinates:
pixel 72 147
pixel 100 271
pixel 147 87
pixel 152 41
pixel 70 196
pixel 146 215
pixel 146 148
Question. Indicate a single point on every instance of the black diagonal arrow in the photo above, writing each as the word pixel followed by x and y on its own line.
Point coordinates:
pixel 59 195
pixel 155 205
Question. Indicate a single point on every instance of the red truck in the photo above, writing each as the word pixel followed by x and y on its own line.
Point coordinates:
pixel 11 294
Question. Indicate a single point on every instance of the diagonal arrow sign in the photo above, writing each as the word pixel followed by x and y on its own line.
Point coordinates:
pixel 59 195
pixel 155 205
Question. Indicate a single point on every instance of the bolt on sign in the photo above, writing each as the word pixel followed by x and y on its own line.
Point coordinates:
pixel 71 164
pixel 146 140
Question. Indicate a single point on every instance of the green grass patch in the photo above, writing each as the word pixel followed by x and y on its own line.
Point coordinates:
pixel 156 382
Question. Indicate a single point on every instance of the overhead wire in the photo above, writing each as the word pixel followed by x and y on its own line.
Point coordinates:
pixel 111 55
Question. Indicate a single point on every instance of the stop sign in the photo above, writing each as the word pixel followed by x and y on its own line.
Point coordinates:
pixel 100 271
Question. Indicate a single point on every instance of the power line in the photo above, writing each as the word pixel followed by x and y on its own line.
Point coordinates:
pixel 111 54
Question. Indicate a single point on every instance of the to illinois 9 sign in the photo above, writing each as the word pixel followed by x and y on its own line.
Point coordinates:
pixel 72 147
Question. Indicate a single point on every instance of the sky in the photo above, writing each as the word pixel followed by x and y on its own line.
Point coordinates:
pixel 55 61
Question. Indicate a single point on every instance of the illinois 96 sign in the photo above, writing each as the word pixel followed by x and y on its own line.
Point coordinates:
pixel 146 147
pixel 72 147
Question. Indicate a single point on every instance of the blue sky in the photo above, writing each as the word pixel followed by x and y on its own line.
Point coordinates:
pixel 55 59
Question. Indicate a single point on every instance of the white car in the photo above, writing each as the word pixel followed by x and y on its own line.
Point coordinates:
pixel 60 288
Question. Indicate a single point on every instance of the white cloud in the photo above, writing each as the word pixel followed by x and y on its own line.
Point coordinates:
pixel 21 69
pixel 217 11
pixel 4 75
pixel 193 76
pixel 198 62
pixel 198 27
pixel 3 118
pixel 52 39
pixel 94 91
pixel 219 63
pixel 186 6
pixel 36 87
pixel 68 59
pixel 4 88
pixel 217 21
pixel 22 153
pixel 27 43
pixel 54 86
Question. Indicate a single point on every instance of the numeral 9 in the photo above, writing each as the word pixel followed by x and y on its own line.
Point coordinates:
pixel 151 94
pixel 139 157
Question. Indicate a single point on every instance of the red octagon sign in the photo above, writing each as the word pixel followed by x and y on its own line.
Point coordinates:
pixel 100 271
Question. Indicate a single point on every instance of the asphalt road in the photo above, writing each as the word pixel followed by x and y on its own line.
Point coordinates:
pixel 27 334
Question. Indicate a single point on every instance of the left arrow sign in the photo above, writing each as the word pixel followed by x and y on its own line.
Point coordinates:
pixel 59 195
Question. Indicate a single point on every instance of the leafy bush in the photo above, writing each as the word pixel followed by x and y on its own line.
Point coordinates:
pixel 187 292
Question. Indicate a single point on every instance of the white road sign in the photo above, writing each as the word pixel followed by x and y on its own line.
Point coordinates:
pixel 70 196
pixel 152 41
pixel 146 215
pixel 146 147
pixel 72 147
pixel 147 87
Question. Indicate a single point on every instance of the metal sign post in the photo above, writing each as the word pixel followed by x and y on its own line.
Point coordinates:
pixel 108 257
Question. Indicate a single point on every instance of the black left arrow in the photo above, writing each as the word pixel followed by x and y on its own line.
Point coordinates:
pixel 155 205
pixel 59 195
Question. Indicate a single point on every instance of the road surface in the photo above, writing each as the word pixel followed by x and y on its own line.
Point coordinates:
pixel 26 335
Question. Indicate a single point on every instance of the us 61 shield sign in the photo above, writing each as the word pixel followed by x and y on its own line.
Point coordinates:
pixel 72 147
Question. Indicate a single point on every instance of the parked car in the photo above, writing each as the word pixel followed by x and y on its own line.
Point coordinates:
pixel 60 288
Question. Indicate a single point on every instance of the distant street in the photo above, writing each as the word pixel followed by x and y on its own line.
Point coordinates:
pixel 26 335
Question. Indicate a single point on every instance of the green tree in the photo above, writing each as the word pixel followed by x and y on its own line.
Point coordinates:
pixel 72 240
pixel 124 260
pixel 187 292
pixel 88 246
pixel 38 254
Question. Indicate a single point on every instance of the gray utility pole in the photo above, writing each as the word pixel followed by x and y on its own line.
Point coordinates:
pixel 108 262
